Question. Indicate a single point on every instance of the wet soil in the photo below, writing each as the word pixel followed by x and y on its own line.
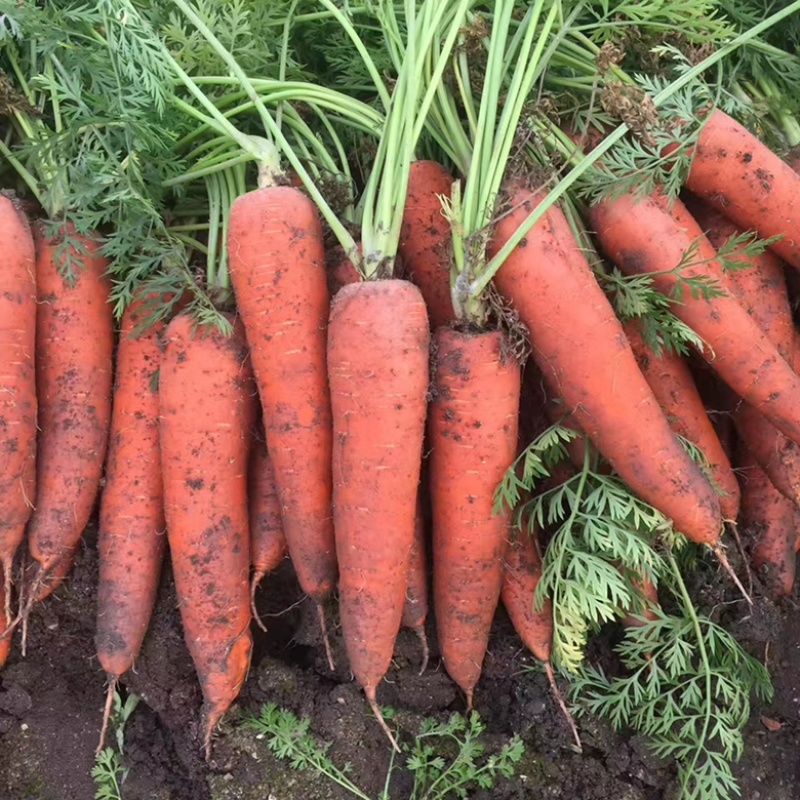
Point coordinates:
pixel 51 702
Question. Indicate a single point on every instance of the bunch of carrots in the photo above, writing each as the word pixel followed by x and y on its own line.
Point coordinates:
pixel 361 397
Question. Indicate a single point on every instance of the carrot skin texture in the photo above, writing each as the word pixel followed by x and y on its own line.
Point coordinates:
pixel 425 239
pixel 131 536
pixel 206 407
pixel 523 570
pixel 672 383
pixel 575 337
pixel 17 386
pixel 379 398
pixel 742 355
pixel 267 542
pixel 750 184
pixel 761 288
pixel 75 339
pixel 277 267
pixel 769 518
pixel 473 438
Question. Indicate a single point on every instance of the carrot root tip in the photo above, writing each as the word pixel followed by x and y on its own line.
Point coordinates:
pixel 559 698
pixel 257 576
pixel 369 691
pixel 469 695
pixel 723 560
pixel 423 641
pixel 112 688
pixel 325 639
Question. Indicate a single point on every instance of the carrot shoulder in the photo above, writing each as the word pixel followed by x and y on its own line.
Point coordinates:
pixel 17 387
pixel 378 371
pixel 75 340
pixel 575 337
pixel 473 439
pixel 206 407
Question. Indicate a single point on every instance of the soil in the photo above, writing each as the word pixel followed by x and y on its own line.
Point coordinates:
pixel 51 703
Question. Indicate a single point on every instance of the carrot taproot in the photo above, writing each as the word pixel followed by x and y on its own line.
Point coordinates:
pixel 521 574
pixel 575 337
pixel 277 268
pixel 760 286
pixel 5 628
pixel 473 438
pixel 17 388
pixel 769 519
pixel 131 536
pixel 267 542
pixel 751 185
pixel 415 608
pixel 378 371
pixel 74 346
pixel 425 238
pixel 206 407
pixel 671 380
pixel 646 235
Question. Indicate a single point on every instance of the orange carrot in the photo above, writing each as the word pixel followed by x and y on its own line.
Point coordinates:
pixel 425 238
pixel 131 536
pixel 575 337
pixel 760 286
pixel 277 267
pixel 339 269
pixel 646 236
pixel 473 438
pixel 523 569
pixel 741 176
pixel 17 388
pixel 378 371
pixel 74 345
pixel 5 632
pixel 641 616
pixel 415 608
pixel 769 518
pixel 267 542
pixel 206 412
pixel 671 381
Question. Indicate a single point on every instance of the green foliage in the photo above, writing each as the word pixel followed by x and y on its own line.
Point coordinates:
pixel 447 759
pixel 108 772
pixel 686 687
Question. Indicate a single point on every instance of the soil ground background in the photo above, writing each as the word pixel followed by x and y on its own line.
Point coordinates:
pixel 51 702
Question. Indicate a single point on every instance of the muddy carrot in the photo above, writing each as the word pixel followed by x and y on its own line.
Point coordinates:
pixel 206 406
pixel 131 536
pixel 74 344
pixel 575 336
pixel 17 388
pixel 473 439
pixel 415 608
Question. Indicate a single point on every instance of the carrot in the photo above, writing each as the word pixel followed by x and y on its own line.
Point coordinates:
pixel 575 337
pixel 131 535
pixel 769 518
pixel 5 625
pixel 644 614
pixel 267 542
pixel 206 412
pixel 425 238
pixel 17 388
pixel 521 574
pixel 378 393
pixel 277 268
pixel 473 438
pixel 415 608
pixel 339 269
pixel 646 236
pixel 74 345
pixel 671 381
pixel 760 286
pixel 750 184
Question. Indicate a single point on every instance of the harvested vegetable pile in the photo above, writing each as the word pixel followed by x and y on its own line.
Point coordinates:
pixel 449 302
